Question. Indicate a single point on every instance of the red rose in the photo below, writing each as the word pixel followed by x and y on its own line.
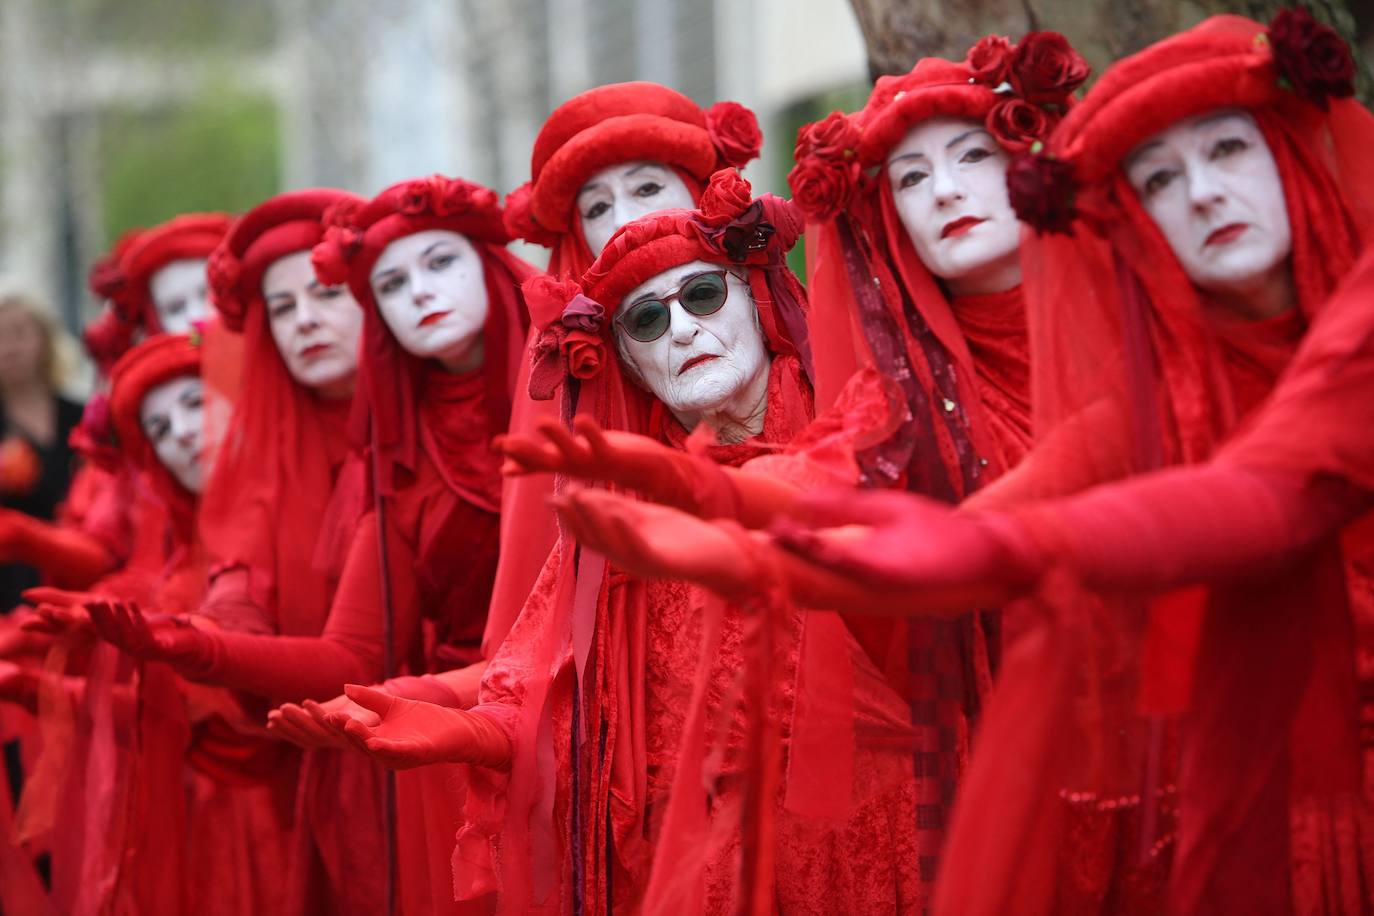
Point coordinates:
pixel 414 198
pixel 331 256
pixel 1047 69
pixel 990 60
pixel 1017 124
pixel 727 196
pixel 520 221
pixel 224 271
pixel 822 188
pixel 1041 190
pixel 1311 57
pixel 735 133
pixel 583 352
pixel 546 297
pixel 450 197
pixel 834 137
pixel 343 212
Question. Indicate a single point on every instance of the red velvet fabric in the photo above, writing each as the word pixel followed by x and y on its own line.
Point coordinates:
pixel 189 236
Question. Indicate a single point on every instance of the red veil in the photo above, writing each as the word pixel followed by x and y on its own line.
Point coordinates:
pixel 1134 369
pixel 962 363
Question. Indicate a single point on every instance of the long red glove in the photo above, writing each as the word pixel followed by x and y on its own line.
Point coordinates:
pixel 665 475
pixel 306 724
pixel 349 650
pixel 411 733
pixel 67 557
pixel 1159 531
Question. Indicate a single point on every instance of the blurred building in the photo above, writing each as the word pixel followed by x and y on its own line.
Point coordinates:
pixel 115 113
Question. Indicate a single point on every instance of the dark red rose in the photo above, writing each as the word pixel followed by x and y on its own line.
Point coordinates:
pixel 834 137
pixel 450 197
pixel 735 133
pixel 583 313
pixel 520 221
pixel 414 198
pixel 343 212
pixel 584 353
pixel 990 60
pixel 1017 124
pixel 727 195
pixel 1311 57
pixel 822 188
pixel 1042 190
pixel 1047 69
pixel 224 271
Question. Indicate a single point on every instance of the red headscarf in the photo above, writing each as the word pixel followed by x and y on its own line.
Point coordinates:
pixel 1133 369
pixel 144 253
pixel 621 122
pixel 575 354
pixel 264 504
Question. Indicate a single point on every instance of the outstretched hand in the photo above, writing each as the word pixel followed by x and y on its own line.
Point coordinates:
pixel 410 733
pixel 902 541
pixel 306 724
pixel 124 625
pixel 661 542
pixel 586 451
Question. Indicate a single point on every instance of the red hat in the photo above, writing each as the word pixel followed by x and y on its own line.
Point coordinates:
pixel 158 359
pixel 355 236
pixel 1294 66
pixel 624 122
pixel 730 227
pixel 1019 90
pixel 278 226
pixel 143 253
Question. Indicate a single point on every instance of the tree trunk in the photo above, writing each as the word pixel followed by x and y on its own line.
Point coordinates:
pixel 900 32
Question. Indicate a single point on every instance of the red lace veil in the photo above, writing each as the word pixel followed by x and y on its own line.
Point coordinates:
pixel 1133 369
pixel 574 355
pixel 271 484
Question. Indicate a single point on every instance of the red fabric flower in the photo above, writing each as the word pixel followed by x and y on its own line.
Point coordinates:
pixel 726 197
pixel 107 338
pixel 991 59
pixel 834 137
pixel 823 187
pixel 734 132
pixel 1017 124
pixel 415 198
pixel 583 353
pixel 547 296
pixel 343 212
pixel 450 198
pixel 224 271
pixel 1042 190
pixel 520 221
pixel 331 256
pixel 1047 69
pixel 1311 57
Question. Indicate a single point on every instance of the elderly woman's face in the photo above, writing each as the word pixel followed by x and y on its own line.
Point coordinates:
pixel 316 327
pixel 691 336
pixel 432 293
pixel 949 182
pixel 172 415
pixel 180 294
pixel 624 192
pixel 1212 187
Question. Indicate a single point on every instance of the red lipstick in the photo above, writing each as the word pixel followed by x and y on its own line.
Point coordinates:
pixel 960 226
pixel 432 318
pixel 1226 234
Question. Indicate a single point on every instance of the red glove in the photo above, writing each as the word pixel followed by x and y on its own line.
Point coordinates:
pixel 159 638
pixel 306 725
pixel 65 556
pixel 410 733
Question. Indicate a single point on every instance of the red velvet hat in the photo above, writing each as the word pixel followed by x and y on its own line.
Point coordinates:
pixel 624 122
pixel 158 359
pixel 1294 66
pixel 278 226
pixel 143 253
pixel 1019 90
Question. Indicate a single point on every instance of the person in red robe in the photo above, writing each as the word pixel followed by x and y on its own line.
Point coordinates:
pixel 605 700
pixel 1215 195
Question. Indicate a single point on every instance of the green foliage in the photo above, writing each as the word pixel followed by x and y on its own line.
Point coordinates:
pixel 219 152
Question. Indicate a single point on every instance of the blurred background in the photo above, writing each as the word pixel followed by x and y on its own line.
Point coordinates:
pixel 123 113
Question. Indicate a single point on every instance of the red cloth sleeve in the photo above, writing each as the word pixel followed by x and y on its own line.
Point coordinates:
pixel 67 557
pixel 289 668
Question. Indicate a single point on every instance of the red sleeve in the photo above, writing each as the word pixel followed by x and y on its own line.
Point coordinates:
pixel 288 668
pixel 67 557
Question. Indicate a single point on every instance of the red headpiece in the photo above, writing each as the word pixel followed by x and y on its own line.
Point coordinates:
pixel 142 253
pixel 277 227
pixel 623 122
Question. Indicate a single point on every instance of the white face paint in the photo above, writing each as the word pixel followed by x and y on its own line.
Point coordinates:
pixel 624 192
pixel 949 182
pixel 316 327
pixel 432 293
pixel 180 294
pixel 1212 187
pixel 703 365
pixel 172 415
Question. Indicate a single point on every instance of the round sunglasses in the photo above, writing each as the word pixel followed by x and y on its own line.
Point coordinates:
pixel 700 294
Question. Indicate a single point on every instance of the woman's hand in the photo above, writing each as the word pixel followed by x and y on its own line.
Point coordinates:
pixel 306 723
pixel 410 733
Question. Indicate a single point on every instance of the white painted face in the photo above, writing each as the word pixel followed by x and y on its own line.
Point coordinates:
pixel 172 415
pixel 623 193
pixel 949 182
pixel 316 327
pixel 180 294
pixel 702 362
pixel 432 293
pixel 1212 187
